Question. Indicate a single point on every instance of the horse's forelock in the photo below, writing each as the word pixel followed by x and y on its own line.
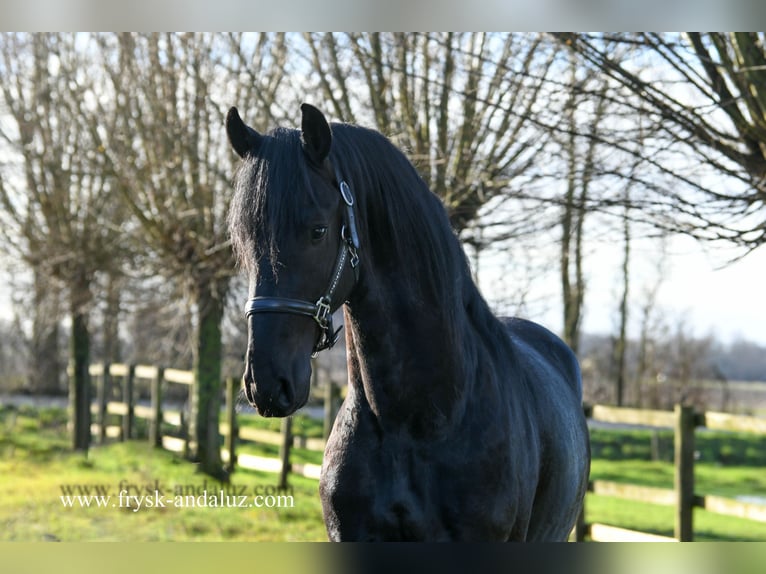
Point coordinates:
pixel 266 203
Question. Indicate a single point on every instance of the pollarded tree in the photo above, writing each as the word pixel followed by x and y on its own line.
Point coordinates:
pixel 167 149
pixel 58 201
pixel 460 104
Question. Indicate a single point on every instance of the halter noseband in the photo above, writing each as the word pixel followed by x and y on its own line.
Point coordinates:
pixel 321 311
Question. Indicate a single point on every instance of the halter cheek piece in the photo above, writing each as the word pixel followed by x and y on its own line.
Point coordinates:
pixel 321 311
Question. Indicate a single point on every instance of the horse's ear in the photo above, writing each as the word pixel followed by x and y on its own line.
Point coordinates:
pixel 243 139
pixel 315 134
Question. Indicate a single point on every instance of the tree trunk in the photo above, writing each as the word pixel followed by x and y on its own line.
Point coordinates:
pixel 571 293
pixel 44 368
pixel 111 328
pixel 206 401
pixel 572 282
pixel 79 382
pixel 620 349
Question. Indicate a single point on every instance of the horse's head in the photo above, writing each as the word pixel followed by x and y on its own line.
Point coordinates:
pixel 292 227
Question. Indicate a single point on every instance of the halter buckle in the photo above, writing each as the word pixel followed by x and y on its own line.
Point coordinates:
pixel 323 317
pixel 322 311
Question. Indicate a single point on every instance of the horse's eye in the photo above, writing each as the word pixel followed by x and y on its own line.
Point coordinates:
pixel 318 232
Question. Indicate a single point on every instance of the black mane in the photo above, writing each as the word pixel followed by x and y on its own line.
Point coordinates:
pixel 401 218
pixel 404 218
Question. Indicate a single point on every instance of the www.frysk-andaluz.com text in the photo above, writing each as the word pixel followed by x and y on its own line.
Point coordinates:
pixel 153 495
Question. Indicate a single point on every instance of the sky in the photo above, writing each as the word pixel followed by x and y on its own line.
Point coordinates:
pixel 720 299
pixel 696 286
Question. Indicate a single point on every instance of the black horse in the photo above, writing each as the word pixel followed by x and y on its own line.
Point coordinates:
pixel 457 425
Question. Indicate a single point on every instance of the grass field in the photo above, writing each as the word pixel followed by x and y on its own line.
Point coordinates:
pixel 35 465
pixel 36 471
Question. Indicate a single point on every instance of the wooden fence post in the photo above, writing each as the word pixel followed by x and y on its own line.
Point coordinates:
pixel 155 429
pixel 184 431
pixel 102 396
pixel 127 398
pixel 231 420
pixel 684 472
pixel 284 451
pixel 329 408
pixel 186 423
pixel 581 527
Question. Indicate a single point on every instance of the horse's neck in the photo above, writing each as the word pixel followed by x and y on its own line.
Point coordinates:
pixel 405 361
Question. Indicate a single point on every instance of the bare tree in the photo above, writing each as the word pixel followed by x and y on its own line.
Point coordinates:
pixel 620 352
pixel 460 105
pixel 12 356
pixel 58 205
pixel 648 372
pixel 705 94
pixel 582 169
pixel 621 340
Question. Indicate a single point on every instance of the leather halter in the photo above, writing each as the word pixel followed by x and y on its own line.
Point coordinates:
pixel 321 311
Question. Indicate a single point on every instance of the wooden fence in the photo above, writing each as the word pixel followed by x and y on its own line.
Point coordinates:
pixel 684 421
pixel 124 379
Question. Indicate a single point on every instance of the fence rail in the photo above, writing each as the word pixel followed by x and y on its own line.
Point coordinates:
pixel 683 420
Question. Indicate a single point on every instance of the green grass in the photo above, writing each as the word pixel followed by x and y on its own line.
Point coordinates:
pixel 722 448
pixel 709 479
pixel 35 463
pixel 297 455
pixel 302 425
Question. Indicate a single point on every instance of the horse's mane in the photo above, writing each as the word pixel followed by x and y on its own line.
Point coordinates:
pixel 404 218
pixel 401 221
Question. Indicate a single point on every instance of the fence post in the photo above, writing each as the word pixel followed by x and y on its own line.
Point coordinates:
pixel 684 472
pixel 581 527
pixel 284 451
pixel 186 414
pixel 155 429
pixel 329 407
pixel 184 431
pixel 102 395
pixel 127 398
pixel 231 419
